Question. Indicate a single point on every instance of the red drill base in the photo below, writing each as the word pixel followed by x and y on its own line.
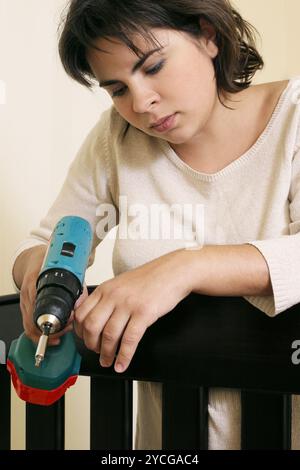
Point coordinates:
pixel 37 396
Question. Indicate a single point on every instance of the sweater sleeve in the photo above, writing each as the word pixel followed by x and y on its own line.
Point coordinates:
pixel 85 189
pixel 283 254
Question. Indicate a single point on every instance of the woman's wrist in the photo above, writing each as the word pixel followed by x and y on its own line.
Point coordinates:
pixel 227 270
pixel 195 264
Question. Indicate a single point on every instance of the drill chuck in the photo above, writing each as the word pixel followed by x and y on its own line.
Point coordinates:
pixel 57 292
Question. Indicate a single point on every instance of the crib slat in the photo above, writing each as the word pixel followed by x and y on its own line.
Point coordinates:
pixel 266 421
pixel 184 417
pixel 4 408
pixel 45 426
pixel 287 422
pixel 111 414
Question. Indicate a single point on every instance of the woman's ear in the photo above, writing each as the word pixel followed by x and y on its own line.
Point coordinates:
pixel 209 37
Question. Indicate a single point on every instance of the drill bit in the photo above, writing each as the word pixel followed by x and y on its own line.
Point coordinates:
pixel 42 344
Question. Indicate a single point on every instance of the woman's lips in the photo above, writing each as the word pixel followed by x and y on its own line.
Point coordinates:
pixel 166 124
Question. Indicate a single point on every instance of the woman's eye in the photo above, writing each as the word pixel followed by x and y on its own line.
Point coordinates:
pixel 155 69
pixel 151 71
pixel 119 92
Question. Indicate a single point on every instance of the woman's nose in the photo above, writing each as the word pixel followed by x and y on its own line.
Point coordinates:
pixel 143 100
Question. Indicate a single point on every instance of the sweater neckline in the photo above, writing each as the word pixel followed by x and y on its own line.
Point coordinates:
pixel 210 177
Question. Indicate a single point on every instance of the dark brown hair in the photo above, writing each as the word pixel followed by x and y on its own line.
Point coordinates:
pixel 86 20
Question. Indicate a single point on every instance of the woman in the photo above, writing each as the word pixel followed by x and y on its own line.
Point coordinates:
pixel 186 129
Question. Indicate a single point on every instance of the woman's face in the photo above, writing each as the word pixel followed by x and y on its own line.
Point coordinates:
pixel 170 93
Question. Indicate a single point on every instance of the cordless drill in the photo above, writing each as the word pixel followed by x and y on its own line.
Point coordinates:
pixel 41 376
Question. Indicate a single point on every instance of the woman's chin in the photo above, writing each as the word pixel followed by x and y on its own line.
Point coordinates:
pixel 178 138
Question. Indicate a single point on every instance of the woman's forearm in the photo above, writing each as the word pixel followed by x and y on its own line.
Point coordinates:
pixel 229 270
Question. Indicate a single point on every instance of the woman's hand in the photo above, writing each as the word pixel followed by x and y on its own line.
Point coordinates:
pixel 121 309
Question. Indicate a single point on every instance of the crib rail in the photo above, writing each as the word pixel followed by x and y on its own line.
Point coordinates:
pixel 204 342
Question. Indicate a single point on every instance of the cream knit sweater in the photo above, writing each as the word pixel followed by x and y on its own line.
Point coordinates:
pixel 117 179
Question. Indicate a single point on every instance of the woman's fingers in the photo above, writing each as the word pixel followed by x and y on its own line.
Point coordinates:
pixel 133 334
pixel 94 323
pixel 83 310
pixel 26 307
pixel 83 297
pixel 111 336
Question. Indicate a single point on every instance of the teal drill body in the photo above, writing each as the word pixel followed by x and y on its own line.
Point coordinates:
pixel 38 376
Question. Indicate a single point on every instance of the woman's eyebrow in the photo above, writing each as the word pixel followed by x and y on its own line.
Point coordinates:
pixel 136 66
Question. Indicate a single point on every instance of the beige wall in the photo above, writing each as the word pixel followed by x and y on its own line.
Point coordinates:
pixel 44 120
pixel 45 117
pixel 277 23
